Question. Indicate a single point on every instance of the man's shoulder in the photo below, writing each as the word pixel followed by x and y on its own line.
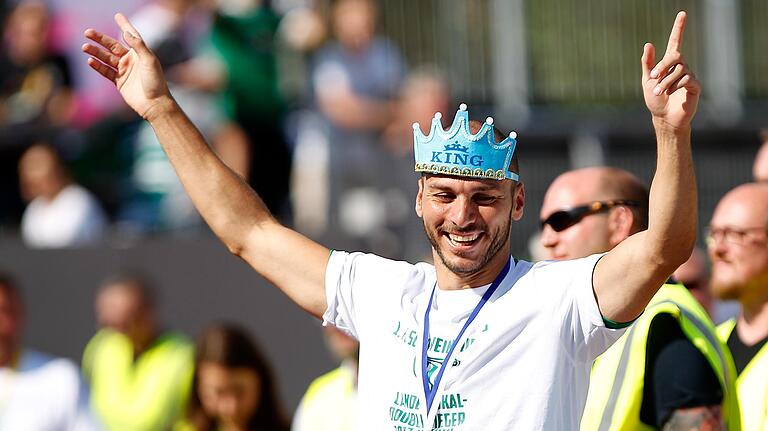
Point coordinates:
pixel 561 268
pixel 335 380
pixel 370 261
pixel 51 368
pixel 105 337
pixel 173 344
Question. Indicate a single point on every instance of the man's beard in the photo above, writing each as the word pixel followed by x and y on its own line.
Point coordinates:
pixel 497 243
pixel 726 291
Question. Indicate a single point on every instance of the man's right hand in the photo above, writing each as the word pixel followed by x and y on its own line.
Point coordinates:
pixel 135 70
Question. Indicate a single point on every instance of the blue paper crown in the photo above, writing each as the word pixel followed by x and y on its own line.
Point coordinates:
pixel 458 152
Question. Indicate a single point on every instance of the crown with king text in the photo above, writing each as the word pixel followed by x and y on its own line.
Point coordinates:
pixel 457 151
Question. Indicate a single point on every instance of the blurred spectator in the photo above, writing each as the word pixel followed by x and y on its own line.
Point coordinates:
pixel 356 79
pixel 35 95
pixel 331 400
pixel 34 83
pixel 60 213
pixel 694 275
pixel 156 200
pixel 140 376
pixel 424 93
pixel 234 385
pixel 760 168
pixel 37 391
pixel 303 28
pixel 738 249
pixel 243 35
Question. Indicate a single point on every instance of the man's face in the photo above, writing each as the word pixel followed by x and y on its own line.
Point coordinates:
pixel 738 247
pixel 468 220
pixel 119 309
pixel 589 236
pixel 354 24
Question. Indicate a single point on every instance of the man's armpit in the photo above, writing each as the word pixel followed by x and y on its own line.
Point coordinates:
pixel 709 418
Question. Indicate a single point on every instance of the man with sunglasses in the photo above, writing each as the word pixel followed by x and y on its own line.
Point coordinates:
pixel 738 248
pixel 669 369
pixel 524 363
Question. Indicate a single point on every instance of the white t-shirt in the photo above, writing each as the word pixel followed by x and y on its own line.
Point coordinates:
pixel 523 363
pixel 44 394
pixel 72 218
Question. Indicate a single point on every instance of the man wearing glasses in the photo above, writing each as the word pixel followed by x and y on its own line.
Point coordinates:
pixel 738 248
pixel 669 369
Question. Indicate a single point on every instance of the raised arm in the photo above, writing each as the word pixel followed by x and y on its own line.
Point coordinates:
pixel 626 278
pixel 236 214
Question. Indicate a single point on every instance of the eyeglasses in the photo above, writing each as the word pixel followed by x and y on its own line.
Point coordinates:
pixel 733 235
pixel 563 219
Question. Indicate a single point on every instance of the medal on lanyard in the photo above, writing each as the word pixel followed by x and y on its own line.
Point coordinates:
pixel 430 393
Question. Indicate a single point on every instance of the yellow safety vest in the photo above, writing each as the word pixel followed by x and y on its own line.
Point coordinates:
pixel 329 403
pixel 148 393
pixel 618 375
pixel 751 384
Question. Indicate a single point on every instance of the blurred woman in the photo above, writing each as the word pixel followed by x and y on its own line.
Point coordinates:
pixel 234 386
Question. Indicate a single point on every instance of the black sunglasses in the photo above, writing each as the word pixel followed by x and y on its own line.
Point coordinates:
pixel 563 219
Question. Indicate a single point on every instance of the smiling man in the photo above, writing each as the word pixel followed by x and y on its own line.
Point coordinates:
pixel 480 340
pixel 738 248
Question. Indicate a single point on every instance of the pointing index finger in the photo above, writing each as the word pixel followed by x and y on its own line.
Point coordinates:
pixel 676 37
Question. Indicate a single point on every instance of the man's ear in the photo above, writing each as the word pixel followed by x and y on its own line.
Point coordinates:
pixel 620 221
pixel 518 201
pixel 419 196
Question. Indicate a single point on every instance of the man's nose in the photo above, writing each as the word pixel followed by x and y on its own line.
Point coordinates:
pixel 717 245
pixel 464 212
pixel 548 237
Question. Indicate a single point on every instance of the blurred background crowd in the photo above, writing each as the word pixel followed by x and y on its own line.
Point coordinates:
pixel 311 102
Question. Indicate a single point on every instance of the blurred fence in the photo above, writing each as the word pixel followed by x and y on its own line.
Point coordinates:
pixel 754 36
pixel 577 52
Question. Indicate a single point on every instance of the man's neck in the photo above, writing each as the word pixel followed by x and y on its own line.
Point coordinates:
pixel 752 325
pixel 449 280
pixel 142 343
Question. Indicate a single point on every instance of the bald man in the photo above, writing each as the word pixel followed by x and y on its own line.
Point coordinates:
pixel 669 370
pixel 738 248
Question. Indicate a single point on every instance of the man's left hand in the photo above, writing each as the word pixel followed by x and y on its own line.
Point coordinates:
pixel 670 88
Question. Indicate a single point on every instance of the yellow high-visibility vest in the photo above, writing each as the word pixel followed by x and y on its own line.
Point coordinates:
pixel 148 393
pixel 751 384
pixel 329 403
pixel 618 375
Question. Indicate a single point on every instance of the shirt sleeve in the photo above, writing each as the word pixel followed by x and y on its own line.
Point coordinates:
pixel 583 329
pixel 360 288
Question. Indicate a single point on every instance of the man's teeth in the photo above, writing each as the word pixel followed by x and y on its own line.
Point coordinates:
pixel 463 238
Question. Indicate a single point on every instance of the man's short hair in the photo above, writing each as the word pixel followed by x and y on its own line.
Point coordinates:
pixel 620 184
pixel 135 282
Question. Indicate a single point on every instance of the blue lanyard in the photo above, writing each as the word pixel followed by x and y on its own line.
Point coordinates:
pixel 430 394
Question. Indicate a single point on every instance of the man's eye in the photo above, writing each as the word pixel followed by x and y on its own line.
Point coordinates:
pixel 485 199
pixel 444 196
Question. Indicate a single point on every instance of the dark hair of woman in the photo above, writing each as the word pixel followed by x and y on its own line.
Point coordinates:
pixel 230 347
